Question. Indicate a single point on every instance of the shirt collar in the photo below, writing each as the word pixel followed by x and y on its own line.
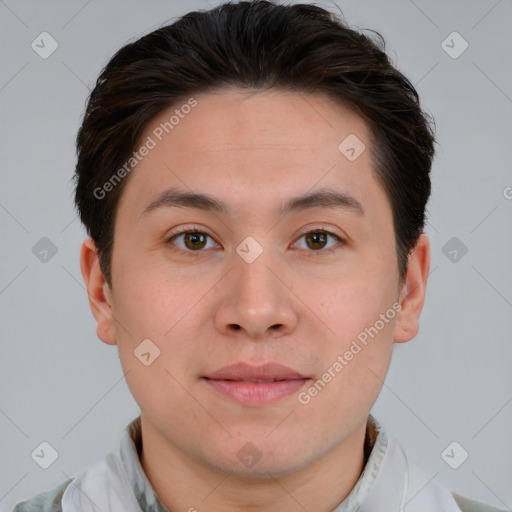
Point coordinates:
pixel 130 450
pixel 376 443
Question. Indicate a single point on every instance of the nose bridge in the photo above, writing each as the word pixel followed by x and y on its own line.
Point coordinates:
pixel 255 298
pixel 256 284
pixel 270 277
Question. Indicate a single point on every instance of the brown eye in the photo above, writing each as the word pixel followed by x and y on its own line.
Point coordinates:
pixel 318 240
pixel 190 241
pixel 194 240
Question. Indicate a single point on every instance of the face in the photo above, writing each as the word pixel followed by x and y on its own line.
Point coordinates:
pixel 259 279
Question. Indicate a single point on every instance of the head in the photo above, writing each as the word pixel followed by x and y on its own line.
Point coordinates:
pixel 220 125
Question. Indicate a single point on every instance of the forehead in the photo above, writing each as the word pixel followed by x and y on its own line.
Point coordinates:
pixel 234 119
pixel 245 147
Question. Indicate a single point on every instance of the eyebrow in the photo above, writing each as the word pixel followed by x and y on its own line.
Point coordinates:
pixel 320 198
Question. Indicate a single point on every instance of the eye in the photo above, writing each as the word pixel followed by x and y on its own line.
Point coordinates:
pixel 318 240
pixel 195 240
pixel 191 240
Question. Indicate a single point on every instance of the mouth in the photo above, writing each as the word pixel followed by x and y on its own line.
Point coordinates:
pixel 256 385
pixel 255 380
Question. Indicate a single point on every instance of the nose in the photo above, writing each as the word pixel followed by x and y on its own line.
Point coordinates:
pixel 257 302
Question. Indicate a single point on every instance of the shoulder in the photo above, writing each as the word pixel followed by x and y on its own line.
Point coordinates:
pixel 49 501
pixel 468 505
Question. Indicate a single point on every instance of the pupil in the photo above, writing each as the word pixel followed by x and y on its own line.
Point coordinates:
pixel 317 238
pixel 194 238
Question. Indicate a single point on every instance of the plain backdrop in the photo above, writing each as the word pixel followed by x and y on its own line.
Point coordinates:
pixel 60 384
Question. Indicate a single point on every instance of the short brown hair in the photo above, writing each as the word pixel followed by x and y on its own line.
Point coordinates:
pixel 260 45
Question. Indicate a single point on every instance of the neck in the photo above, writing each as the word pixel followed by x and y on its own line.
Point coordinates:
pixel 183 483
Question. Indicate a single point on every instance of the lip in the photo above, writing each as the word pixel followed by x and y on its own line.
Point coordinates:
pixel 234 382
pixel 244 371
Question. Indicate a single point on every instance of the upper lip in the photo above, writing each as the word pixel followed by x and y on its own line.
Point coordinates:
pixel 244 371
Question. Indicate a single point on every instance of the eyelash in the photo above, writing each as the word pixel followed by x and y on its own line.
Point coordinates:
pixel 198 230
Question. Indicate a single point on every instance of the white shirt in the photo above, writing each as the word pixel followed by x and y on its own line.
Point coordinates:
pixel 389 483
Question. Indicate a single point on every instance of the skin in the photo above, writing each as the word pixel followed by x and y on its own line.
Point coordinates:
pixel 296 304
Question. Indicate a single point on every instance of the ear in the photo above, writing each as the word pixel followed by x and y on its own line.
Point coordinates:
pixel 98 291
pixel 413 291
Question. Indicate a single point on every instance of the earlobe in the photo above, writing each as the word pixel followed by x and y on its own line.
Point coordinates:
pixel 98 292
pixel 412 296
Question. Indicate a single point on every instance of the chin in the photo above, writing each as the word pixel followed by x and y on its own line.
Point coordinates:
pixel 251 462
pixel 261 471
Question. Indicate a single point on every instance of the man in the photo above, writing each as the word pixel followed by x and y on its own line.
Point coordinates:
pixel 254 181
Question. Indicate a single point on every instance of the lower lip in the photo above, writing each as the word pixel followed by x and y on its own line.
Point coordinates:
pixel 256 393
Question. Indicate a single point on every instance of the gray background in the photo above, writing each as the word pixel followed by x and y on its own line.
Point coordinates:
pixel 453 382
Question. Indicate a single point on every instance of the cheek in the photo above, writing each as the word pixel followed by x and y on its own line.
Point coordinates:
pixel 354 366
pixel 351 306
pixel 358 344
pixel 150 302
pixel 151 306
